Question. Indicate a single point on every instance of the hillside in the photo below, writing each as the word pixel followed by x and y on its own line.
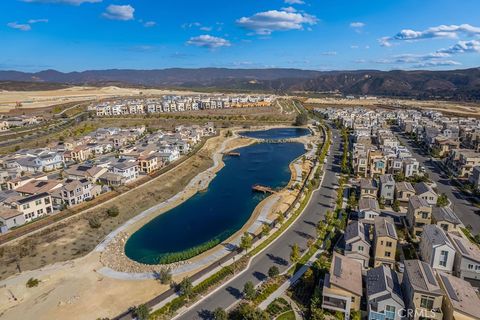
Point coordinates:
pixel 452 84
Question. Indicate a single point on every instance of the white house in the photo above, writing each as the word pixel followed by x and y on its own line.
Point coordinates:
pixel 436 249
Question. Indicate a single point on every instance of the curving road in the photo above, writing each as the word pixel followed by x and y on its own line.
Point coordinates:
pixel 278 253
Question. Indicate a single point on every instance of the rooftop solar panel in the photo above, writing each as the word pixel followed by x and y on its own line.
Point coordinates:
pixel 337 271
pixel 391 230
pixel 461 246
pixel 451 292
pixel 429 274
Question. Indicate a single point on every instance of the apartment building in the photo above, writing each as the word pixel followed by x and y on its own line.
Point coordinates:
pixel 460 298
pixel 419 214
pixel 385 242
pixel 342 288
pixel 422 292
pixel 467 259
pixel 384 294
pixel 357 242
pixel 436 249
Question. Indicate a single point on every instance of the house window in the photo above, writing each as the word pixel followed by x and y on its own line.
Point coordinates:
pixel 38 202
pixel 426 302
pixel 424 215
pixel 470 266
pixel 360 248
pixel 389 244
pixel 26 206
pixel 443 258
pixel 388 254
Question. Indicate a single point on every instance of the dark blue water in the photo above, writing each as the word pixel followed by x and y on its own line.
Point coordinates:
pixel 220 211
pixel 276 133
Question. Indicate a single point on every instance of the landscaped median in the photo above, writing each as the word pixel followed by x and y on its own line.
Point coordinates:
pixel 226 273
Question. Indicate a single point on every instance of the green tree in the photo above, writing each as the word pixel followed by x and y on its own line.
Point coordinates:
pixel 249 291
pixel 246 311
pixel 301 119
pixel 220 314
pixel 246 241
pixel 32 282
pixel 442 200
pixel 165 275
pixel 186 287
pixel 295 253
pixel 142 312
pixel 265 230
pixel 396 205
pixel 280 217
pixel 352 201
pixel 113 211
pixel 273 271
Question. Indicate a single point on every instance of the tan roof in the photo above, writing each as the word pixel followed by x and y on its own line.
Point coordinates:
pixel 38 186
pixel 461 295
pixel 404 186
pixel 7 213
pixel 346 273
pixel 465 247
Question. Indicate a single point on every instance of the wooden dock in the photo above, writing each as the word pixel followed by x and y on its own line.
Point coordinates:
pixel 264 189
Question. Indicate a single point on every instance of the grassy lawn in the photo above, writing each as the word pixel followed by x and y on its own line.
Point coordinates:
pixel 289 315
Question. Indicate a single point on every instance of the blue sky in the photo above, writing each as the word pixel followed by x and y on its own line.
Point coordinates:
pixel 77 35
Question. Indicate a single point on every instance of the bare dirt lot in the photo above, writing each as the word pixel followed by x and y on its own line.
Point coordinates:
pixel 41 99
pixel 447 107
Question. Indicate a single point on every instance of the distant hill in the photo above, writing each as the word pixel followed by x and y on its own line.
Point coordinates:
pixel 452 84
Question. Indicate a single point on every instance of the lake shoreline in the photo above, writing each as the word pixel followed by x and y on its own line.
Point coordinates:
pixel 113 254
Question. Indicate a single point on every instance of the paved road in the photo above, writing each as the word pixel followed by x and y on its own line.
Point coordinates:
pixel 278 253
pixel 465 210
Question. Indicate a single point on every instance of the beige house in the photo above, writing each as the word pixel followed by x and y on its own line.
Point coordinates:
pixel 421 291
pixel 460 301
pixel 149 163
pixel 446 219
pixel 403 191
pixel 419 214
pixel 385 242
pixel 342 289
pixel 28 208
pixel 368 189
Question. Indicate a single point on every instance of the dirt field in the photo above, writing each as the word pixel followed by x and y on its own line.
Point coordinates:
pixel 41 99
pixel 74 238
pixel 447 107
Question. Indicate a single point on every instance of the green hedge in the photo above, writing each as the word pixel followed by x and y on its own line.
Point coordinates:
pixel 187 254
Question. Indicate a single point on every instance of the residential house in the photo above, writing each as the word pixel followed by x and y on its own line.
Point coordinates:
pixel 404 191
pixel 419 214
pixel 30 207
pixel 474 178
pixel 467 259
pixel 460 299
pixel 436 249
pixel 384 294
pixel 84 171
pixel 74 192
pixel 342 288
pixel 410 167
pixel 426 192
pixel 446 218
pixel 149 162
pixel 385 242
pixel 377 164
pixel 127 168
pixel 368 208
pixel 368 188
pixel 357 243
pixel 38 186
pixel 112 179
pixel 422 292
pixel 387 188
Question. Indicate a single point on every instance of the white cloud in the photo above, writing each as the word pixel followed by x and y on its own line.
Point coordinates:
pixel 462 47
pixel 437 63
pixel 19 26
pixel 204 28
pixel 329 53
pixel 357 24
pixel 149 24
pixel 208 41
pixel 442 31
pixel 264 23
pixel 119 12
pixel 25 26
pixel 354 47
pixel 71 2
pixel 32 21
pixel 294 1
pixel 289 9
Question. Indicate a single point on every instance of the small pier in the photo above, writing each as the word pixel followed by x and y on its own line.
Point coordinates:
pixel 264 189
pixel 232 154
